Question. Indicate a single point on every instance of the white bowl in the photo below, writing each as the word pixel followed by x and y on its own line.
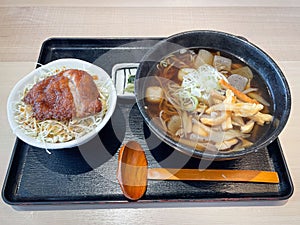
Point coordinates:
pixel 92 69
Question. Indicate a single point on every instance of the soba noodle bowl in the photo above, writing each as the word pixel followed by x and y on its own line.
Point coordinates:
pixel 208 100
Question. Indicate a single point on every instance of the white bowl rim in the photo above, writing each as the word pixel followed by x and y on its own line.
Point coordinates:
pixel 68 63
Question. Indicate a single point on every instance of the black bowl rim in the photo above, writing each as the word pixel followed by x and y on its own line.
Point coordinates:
pixel 219 156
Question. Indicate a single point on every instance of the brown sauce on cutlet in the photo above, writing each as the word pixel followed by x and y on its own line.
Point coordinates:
pixel 51 99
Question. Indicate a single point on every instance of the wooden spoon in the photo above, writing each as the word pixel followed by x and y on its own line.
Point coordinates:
pixel 133 173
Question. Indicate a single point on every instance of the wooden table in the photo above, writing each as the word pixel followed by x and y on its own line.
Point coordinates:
pixel 272 25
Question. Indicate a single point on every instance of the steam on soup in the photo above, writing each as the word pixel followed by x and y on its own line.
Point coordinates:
pixel 208 100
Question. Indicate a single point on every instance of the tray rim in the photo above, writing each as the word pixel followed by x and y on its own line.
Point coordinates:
pixel 141 202
pixel 124 202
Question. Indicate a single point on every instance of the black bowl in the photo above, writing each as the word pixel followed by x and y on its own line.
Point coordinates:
pixel 237 47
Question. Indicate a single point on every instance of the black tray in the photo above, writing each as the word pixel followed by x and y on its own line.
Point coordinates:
pixel 87 174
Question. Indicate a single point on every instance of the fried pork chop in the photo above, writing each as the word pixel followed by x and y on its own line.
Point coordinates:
pixel 69 94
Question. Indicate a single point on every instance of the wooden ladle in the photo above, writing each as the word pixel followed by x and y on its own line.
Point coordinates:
pixel 133 173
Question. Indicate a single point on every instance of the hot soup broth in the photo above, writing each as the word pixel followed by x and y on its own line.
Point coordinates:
pixel 208 100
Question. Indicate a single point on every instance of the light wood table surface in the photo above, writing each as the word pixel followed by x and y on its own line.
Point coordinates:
pixel 272 25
